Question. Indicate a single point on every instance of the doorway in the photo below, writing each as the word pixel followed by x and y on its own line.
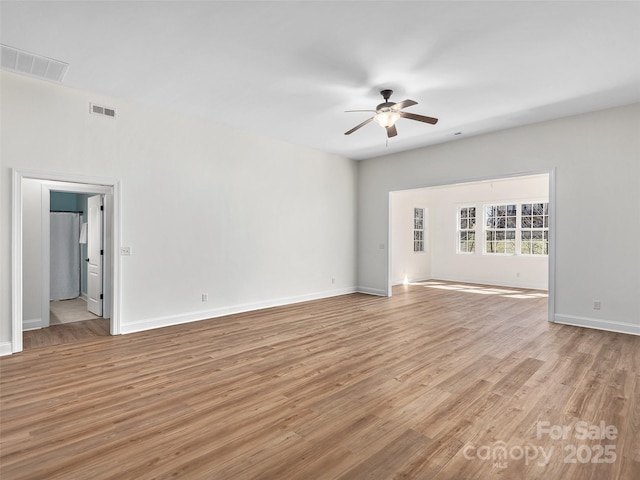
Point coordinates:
pixel 75 257
pixel 30 253
pixel 445 256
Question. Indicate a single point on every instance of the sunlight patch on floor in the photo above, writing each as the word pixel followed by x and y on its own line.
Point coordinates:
pixel 483 290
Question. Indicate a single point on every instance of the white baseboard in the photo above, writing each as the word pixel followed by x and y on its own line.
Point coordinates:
pixel 372 291
pixel 167 321
pixel 599 324
pixel 6 348
pixel 33 324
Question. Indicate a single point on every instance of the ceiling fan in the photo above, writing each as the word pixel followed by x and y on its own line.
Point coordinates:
pixel 388 113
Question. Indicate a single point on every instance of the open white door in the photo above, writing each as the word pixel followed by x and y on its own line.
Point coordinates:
pixel 95 254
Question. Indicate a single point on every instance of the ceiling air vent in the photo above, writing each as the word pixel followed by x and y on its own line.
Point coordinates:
pixel 31 64
pixel 102 110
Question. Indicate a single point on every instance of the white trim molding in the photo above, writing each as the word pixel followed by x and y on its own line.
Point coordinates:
pixel 373 291
pixel 5 348
pixel 598 324
pixel 159 322
pixel 110 187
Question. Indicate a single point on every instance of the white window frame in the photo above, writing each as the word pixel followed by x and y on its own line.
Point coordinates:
pixel 504 220
pixel 518 229
pixel 419 229
pixel 539 216
pixel 467 231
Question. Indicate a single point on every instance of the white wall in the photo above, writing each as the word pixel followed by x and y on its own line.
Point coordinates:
pixel 32 251
pixel 596 158
pixel 407 265
pixel 205 208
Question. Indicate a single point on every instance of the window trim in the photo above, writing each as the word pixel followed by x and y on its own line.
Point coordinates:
pixel 423 230
pixel 518 229
pixel 459 230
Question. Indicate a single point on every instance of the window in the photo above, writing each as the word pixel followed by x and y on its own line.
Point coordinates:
pixel 534 224
pixel 418 229
pixel 517 229
pixel 500 229
pixel 467 230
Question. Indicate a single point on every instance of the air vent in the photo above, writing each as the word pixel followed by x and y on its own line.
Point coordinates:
pixel 102 110
pixel 31 64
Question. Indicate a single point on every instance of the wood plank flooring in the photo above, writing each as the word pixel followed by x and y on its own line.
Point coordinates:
pixel 66 333
pixel 440 381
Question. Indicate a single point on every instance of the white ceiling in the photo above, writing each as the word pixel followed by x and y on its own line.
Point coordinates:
pixel 289 69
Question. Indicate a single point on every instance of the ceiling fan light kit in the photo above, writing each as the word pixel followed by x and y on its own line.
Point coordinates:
pixel 388 113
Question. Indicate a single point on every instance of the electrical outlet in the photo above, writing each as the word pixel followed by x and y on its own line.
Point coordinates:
pixel 205 297
pixel 596 304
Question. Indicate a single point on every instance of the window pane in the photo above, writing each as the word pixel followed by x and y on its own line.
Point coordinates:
pixel 472 212
pixel 464 236
pixel 511 210
pixel 526 222
pixel 464 223
pixel 511 222
pixel 538 222
pixel 464 212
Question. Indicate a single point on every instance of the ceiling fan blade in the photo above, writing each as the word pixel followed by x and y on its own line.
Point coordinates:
pixel 391 131
pixel 349 111
pixel 358 126
pixel 403 104
pixel 420 118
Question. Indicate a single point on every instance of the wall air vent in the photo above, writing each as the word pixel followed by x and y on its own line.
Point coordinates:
pixel 31 64
pixel 102 110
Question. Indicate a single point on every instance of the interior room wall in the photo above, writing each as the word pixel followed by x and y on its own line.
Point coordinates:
pixel 32 248
pixel 596 157
pixel 258 222
pixel 407 265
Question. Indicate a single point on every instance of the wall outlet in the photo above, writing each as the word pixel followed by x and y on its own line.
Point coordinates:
pixel 596 304
pixel 205 297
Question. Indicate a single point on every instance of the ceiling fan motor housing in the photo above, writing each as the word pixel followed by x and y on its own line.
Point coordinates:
pixel 385 107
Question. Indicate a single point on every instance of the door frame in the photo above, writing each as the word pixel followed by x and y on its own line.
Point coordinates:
pixel 84 184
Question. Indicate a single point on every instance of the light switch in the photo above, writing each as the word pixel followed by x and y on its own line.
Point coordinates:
pixel 125 251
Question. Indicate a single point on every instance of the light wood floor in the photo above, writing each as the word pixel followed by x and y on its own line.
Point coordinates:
pixel 427 384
